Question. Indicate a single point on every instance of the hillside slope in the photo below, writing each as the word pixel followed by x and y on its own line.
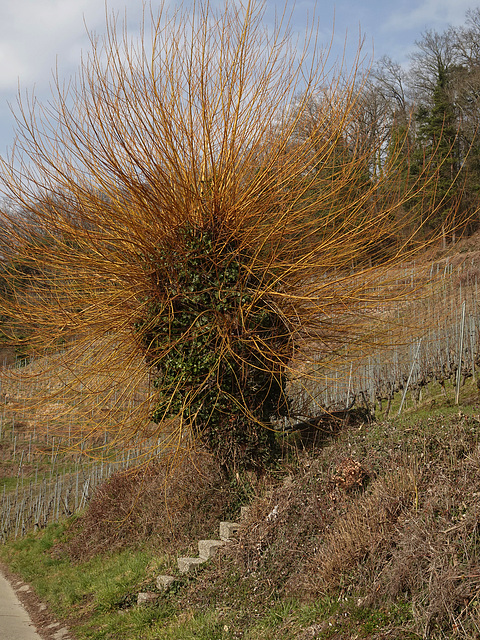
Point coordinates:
pixel 373 535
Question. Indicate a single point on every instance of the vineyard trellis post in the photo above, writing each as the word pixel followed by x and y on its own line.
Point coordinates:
pixel 410 377
pixel 460 354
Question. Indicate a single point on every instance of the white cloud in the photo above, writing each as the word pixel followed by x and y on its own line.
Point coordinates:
pixel 36 34
pixel 428 14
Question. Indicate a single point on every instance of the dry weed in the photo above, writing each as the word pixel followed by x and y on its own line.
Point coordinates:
pixel 350 475
pixel 164 504
pixel 365 528
pixel 412 534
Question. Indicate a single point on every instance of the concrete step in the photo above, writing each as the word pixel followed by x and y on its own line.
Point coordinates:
pixel 244 512
pixel 208 548
pixel 147 597
pixel 228 530
pixel 188 565
pixel 164 582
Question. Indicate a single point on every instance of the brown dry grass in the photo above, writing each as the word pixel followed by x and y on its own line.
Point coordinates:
pixel 386 520
pixel 168 505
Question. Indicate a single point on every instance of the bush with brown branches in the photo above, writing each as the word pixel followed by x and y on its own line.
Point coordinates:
pixel 183 224
pixel 167 507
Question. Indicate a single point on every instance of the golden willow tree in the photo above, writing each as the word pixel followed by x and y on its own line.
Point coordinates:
pixel 182 223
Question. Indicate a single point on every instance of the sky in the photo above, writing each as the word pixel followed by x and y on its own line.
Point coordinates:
pixel 39 36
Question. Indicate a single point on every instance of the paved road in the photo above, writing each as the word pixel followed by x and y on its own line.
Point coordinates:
pixel 15 623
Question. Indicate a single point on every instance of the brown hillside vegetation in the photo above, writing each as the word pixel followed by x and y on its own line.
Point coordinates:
pixel 167 505
pixel 392 522
pixel 373 535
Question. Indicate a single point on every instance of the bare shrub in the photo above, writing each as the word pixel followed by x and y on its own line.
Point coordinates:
pixel 164 504
pixel 365 528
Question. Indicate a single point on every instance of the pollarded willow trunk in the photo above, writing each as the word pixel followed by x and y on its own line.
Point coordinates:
pixel 218 345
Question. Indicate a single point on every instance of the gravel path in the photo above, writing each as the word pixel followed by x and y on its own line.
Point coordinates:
pixel 23 616
pixel 15 623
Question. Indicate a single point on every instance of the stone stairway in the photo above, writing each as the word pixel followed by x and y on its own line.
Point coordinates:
pixel 206 551
pixel 208 548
